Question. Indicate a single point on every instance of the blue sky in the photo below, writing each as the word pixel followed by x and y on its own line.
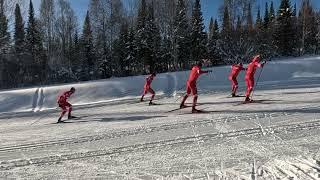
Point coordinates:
pixel 209 7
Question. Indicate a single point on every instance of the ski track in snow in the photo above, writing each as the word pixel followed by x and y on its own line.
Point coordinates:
pixel 277 137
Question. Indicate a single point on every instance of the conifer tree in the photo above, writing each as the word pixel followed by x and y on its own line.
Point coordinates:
pixel 87 50
pixel 4 33
pixel 181 39
pixel 266 19
pixel 284 34
pixel 18 31
pixel 34 48
pixel 213 49
pixel 198 36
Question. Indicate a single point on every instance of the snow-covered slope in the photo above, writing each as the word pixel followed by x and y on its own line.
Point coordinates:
pixel 275 137
pixel 289 72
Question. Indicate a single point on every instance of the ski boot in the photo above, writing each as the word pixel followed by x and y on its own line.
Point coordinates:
pixel 194 111
pixel 59 120
pixel 182 106
pixel 233 95
pixel 247 100
pixel 72 117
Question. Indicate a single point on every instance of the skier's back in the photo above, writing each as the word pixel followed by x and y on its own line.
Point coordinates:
pixel 235 70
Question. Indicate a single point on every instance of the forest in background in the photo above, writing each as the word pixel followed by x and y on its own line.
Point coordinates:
pixel 133 37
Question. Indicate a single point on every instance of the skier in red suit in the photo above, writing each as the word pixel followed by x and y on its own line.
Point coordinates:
pixel 65 105
pixel 147 88
pixel 235 70
pixel 251 70
pixel 192 86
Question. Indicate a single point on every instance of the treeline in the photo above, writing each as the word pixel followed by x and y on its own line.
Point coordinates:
pixel 133 37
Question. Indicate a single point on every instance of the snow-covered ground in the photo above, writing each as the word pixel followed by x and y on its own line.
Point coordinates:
pixel 117 138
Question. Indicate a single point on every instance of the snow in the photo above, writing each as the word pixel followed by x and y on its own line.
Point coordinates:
pixel 117 138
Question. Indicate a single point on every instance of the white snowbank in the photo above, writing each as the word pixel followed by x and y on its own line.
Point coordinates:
pixel 37 99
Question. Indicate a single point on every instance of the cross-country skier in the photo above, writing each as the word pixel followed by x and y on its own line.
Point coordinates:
pixel 147 88
pixel 235 70
pixel 251 70
pixel 65 105
pixel 192 86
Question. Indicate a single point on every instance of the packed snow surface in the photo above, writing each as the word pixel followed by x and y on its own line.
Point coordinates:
pixel 276 137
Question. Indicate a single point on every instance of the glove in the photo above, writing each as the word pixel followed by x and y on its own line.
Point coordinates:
pixel 209 71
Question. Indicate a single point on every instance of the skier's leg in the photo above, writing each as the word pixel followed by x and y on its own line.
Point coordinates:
pixel 235 87
pixel 144 93
pixel 69 110
pixel 251 83
pixel 195 97
pixel 153 94
pixel 64 110
pixel 248 89
pixel 232 87
pixel 186 96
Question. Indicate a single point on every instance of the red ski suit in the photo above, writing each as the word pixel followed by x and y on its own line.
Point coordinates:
pixel 192 81
pixel 147 86
pixel 235 70
pixel 251 70
pixel 62 102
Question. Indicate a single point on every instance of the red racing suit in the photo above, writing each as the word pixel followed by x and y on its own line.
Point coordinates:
pixel 63 103
pixel 235 70
pixel 147 85
pixel 251 70
pixel 192 81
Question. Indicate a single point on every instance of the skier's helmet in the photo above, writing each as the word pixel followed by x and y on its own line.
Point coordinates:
pixel 73 89
pixel 154 74
pixel 199 64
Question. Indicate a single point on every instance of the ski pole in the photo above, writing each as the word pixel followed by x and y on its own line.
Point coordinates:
pixel 257 82
pixel 182 87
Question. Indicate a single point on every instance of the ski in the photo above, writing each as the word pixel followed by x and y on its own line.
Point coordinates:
pixel 155 104
pixel 237 96
pixel 61 122
pixel 177 109
pixel 250 102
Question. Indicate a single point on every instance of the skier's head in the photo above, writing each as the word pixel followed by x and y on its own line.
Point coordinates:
pixel 153 74
pixel 240 64
pixel 199 64
pixel 256 58
pixel 73 90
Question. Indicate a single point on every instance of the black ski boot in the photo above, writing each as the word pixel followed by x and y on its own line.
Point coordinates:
pixel 59 120
pixel 72 117
pixel 182 106
pixel 247 99
pixel 233 95
pixel 194 111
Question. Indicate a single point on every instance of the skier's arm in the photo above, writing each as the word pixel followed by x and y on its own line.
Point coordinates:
pixel 202 72
pixel 260 64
